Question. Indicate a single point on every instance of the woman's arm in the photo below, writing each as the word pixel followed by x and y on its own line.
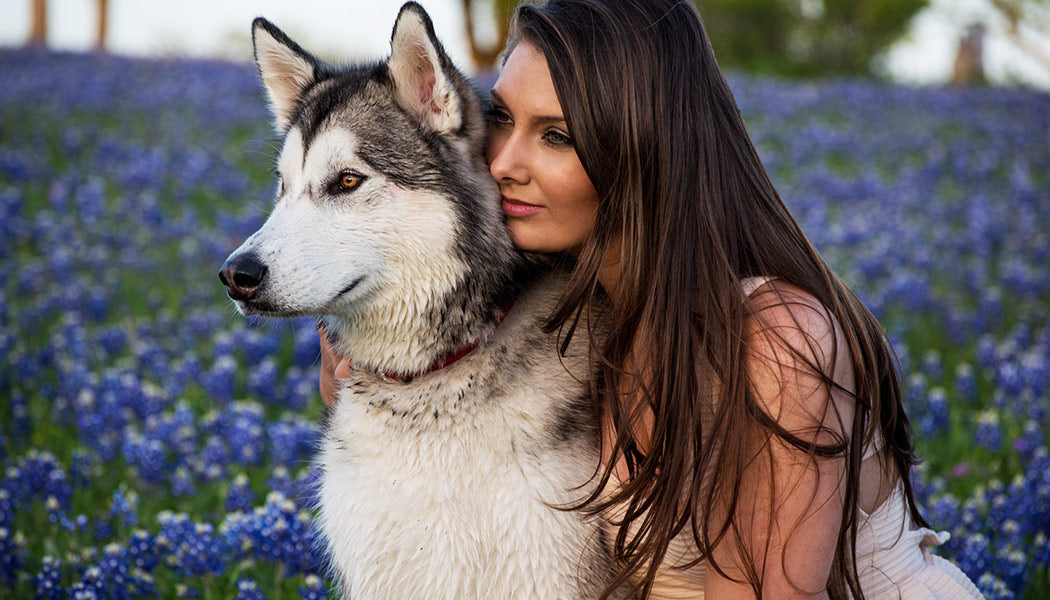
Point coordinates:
pixel 790 503
pixel 333 369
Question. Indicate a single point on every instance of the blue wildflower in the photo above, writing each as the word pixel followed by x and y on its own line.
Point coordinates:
pixel 965 382
pixel 293 440
pixel 312 588
pixel 934 420
pixel 281 481
pixel 48 581
pixel 247 589
pixel 220 380
pixel 931 364
pixel 262 381
pixel 307 348
pixel 989 434
pixel 245 433
pixel 240 496
pixel 12 555
pixel 182 482
pixel 974 556
pixel 143 552
pixel 993 588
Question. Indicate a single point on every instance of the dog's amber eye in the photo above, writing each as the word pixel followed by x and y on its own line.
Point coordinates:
pixel 349 181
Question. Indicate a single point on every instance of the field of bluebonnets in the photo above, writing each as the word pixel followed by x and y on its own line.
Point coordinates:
pixel 156 444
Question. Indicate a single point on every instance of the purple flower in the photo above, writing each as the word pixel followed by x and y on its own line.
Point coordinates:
pixel 1030 441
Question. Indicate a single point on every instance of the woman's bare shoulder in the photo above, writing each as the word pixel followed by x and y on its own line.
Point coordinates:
pixel 796 315
pixel 797 357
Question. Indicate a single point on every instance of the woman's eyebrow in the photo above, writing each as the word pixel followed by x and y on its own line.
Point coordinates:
pixel 538 120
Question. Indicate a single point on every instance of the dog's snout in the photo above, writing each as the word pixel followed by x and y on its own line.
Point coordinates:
pixel 242 275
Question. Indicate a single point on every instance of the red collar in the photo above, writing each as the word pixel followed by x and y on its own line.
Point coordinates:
pixel 459 353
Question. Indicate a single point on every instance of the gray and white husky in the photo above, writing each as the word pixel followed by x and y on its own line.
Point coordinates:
pixel 463 428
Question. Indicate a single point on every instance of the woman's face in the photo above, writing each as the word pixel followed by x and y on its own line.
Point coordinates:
pixel 549 202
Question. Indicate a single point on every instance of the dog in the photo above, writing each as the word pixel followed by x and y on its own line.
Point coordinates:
pixel 465 431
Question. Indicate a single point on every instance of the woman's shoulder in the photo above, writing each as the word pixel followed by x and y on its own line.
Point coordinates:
pixel 794 346
pixel 781 307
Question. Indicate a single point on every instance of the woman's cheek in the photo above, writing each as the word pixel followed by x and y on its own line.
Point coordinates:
pixel 494 140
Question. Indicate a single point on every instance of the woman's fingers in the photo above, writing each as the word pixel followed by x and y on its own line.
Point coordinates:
pixel 333 368
pixel 343 367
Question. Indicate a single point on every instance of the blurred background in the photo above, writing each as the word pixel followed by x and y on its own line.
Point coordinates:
pixel 910 41
pixel 156 444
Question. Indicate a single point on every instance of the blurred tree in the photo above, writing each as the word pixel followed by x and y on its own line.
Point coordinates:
pixel 796 38
pixel 38 23
pixel 1034 16
pixel 103 24
pixel 805 38
pixel 484 56
pixel 969 58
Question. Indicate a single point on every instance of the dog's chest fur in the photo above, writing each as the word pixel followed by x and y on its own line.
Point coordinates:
pixel 446 487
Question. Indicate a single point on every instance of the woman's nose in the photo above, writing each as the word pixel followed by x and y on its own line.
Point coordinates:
pixel 506 160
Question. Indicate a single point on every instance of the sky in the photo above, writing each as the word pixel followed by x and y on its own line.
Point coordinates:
pixel 354 29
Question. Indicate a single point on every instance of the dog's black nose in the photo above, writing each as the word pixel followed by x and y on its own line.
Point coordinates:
pixel 242 275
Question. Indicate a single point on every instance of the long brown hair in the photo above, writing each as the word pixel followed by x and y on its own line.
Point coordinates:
pixel 688 206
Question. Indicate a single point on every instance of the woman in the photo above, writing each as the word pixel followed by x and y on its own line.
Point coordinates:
pixel 754 440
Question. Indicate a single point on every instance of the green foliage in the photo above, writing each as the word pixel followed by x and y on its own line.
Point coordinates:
pixel 805 38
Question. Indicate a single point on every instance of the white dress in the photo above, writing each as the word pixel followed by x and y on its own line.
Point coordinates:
pixel 892 561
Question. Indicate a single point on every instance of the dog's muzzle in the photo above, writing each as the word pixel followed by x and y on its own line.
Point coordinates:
pixel 243 275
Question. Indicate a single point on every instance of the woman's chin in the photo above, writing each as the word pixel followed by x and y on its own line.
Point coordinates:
pixel 535 239
pixel 528 241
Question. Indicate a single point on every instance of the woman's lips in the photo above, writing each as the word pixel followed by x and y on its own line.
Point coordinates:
pixel 517 208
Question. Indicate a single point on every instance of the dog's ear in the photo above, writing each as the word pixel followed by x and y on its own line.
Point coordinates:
pixel 286 70
pixel 423 75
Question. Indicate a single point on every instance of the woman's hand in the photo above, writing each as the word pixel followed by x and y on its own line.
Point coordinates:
pixel 334 368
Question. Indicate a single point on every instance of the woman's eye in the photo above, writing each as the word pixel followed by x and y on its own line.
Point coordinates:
pixel 498 116
pixel 557 138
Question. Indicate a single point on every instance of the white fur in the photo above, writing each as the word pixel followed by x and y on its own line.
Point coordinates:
pixel 457 505
pixel 397 240
pixel 422 86
pixel 285 74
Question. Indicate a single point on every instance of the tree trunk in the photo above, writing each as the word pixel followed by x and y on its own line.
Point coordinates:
pixel 38 24
pixel 103 24
pixel 969 60
pixel 484 58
